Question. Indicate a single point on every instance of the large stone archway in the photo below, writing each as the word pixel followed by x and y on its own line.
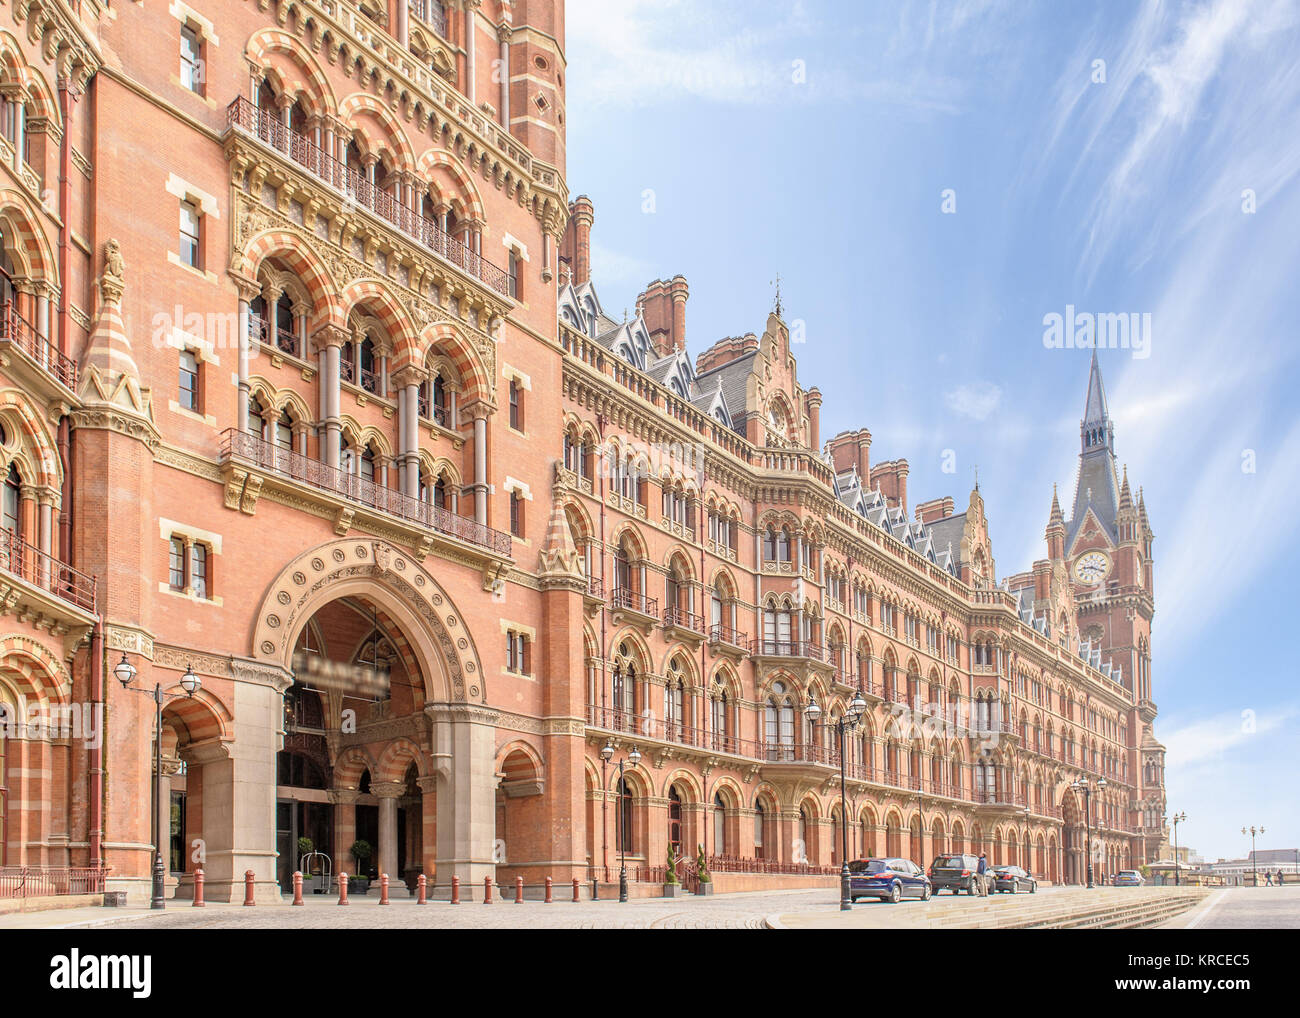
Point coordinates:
pixel 393 579
pixel 454 730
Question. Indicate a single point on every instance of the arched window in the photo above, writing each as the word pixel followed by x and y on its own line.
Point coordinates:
pixel 721 721
pixel 719 825
pixel 12 503
pixel 779 724
pixel 760 822
pixel 284 430
pixel 623 836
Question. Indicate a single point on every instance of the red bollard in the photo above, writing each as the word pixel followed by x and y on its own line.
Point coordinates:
pixel 487 890
pixel 343 888
pixel 519 890
pixel 297 887
pixel 548 890
pixel 575 888
pixel 383 888
pixel 423 885
pixel 455 890
pixel 198 890
pixel 249 876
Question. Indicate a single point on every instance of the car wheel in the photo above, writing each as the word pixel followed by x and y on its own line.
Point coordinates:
pixel 895 893
pixel 1033 887
pixel 925 894
pixel 1014 885
pixel 970 888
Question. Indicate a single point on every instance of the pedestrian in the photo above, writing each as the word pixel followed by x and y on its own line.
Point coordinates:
pixel 983 881
pixel 1268 879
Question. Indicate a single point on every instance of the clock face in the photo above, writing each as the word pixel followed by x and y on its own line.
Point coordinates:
pixel 1091 567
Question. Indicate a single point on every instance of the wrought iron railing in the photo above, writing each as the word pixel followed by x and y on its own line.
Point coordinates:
pixel 48 881
pixel 18 331
pixel 45 571
pixel 267 127
pixel 684 619
pixel 793 648
pixel 732 637
pixel 624 597
pixel 266 455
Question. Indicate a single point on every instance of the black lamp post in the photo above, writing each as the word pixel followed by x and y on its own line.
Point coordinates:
pixel 634 758
pixel 847 722
pixel 1254 863
pixel 1176 819
pixel 1085 786
pixel 125 672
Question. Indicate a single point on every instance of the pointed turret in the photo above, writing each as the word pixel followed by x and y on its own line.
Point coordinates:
pixel 559 560
pixel 1097 429
pixel 1125 495
pixel 1097 486
pixel 1055 529
pixel 1056 515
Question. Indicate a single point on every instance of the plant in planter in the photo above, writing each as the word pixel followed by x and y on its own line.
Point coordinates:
pixel 305 848
pixel 360 852
pixel 701 866
pixel 671 877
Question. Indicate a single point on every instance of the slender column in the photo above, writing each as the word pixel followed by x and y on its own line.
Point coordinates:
pixel 480 412
pixel 403 23
pixel 402 439
pixel 242 364
pixel 471 6
pixel 388 792
pixel 503 33
pixel 20 128
pixel 330 340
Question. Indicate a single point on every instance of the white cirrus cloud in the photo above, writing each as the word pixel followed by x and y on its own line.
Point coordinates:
pixel 976 400
pixel 1212 739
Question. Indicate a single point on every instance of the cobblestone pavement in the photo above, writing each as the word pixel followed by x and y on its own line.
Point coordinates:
pixel 730 911
pixel 1244 908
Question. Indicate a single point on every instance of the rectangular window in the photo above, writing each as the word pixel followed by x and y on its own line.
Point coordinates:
pixel 514 274
pixel 190 249
pixel 199 571
pixel 176 564
pixel 516 514
pixel 192 59
pixel 189 381
pixel 516 408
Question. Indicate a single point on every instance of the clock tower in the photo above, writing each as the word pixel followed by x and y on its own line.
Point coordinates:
pixel 1107 553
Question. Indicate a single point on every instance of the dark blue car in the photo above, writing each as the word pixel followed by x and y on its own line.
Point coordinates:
pixel 888 879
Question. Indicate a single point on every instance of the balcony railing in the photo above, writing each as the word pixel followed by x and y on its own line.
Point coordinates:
pixel 45 571
pixel 622 597
pixel 47 881
pixel 732 637
pixel 793 648
pixel 432 12
pixel 259 331
pixel 268 128
pixel 18 331
pixel 287 463
pixel 684 619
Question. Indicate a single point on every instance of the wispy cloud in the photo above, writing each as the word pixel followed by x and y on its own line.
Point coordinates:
pixel 976 400
pixel 1209 740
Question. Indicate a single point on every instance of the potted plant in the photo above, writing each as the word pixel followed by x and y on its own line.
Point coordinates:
pixel 360 852
pixel 702 868
pixel 305 848
pixel 672 887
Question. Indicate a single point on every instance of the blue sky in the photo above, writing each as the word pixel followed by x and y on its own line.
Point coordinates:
pixel 734 141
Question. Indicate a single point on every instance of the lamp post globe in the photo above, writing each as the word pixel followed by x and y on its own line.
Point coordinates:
pixel 125 672
pixel 190 682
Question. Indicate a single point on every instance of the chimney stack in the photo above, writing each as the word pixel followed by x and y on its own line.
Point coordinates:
pixel 814 398
pixel 575 248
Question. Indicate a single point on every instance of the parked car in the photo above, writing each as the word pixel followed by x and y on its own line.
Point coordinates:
pixel 955 873
pixel 888 879
pixel 1129 878
pixel 1013 879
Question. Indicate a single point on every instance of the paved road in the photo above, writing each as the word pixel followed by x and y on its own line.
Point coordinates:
pixel 1245 908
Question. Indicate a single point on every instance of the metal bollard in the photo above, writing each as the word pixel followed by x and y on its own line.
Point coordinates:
pixel 455 890
pixel 548 890
pixel 297 887
pixel 519 890
pixel 198 889
pixel 383 888
pixel 575 888
pixel 249 876
pixel 487 890
pixel 343 889
pixel 423 884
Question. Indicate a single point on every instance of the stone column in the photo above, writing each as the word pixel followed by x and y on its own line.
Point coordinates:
pixel 479 411
pixel 471 8
pixel 403 23
pixel 329 344
pixel 388 792
pixel 408 381
pixel 503 34
pixel 345 828
pixel 464 740
pixel 429 822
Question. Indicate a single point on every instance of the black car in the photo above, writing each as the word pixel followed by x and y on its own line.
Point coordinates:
pixel 887 879
pixel 1013 879
pixel 955 873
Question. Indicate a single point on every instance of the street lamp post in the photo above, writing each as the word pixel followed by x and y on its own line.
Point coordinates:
pixel 634 758
pixel 847 722
pixel 1085 786
pixel 1254 863
pixel 1176 819
pixel 125 672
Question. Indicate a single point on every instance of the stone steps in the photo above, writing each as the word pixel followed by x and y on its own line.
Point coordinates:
pixel 1079 910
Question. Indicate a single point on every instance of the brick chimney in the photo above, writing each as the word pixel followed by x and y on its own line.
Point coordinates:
pixel 814 400
pixel 724 351
pixel 849 449
pixel 575 248
pixel 935 509
pixel 891 478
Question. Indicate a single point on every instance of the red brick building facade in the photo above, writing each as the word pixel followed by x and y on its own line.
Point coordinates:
pixel 305 389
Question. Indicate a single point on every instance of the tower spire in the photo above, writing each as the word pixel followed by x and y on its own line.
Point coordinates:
pixel 1096 430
